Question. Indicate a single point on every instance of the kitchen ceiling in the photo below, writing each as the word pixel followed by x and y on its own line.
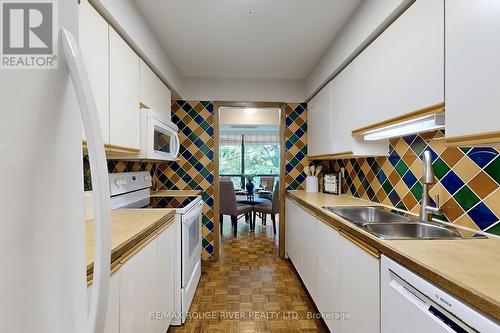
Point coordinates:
pixel 247 39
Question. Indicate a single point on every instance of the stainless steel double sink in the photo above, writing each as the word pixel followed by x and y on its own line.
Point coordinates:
pixel 388 225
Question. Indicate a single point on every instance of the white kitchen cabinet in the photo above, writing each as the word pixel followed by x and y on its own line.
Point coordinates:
pixel 112 324
pixel 328 277
pixel 301 243
pixel 346 271
pixel 148 86
pixel 95 51
pixel 343 95
pixel 166 274
pixel 332 115
pixel 164 101
pixel 154 94
pixel 403 69
pixel 359 279
pixel 124 93
pixel 472 70
pixel 319 120
pixel 308 238
pixel 346 116
pixel 138 291
pixel 292 229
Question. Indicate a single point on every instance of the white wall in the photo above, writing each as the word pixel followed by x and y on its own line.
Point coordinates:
pixel 247 90
pixel 126 14
pixel 367 22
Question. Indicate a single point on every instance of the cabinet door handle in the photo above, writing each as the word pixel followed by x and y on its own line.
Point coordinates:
pixel 367 248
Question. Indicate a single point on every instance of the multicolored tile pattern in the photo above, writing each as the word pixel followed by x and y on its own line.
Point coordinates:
pixel 115 166
pixel 171 202
pixel 295 145
pixel 468 179
pixel 195 168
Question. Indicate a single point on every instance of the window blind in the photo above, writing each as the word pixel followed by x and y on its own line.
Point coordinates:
pixel 250 139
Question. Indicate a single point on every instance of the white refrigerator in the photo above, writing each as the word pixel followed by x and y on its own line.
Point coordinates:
pixel 42 235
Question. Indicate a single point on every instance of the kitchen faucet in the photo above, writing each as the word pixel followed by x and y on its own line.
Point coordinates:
pixel 426 211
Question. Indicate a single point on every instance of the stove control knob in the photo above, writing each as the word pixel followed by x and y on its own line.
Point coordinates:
pixel 147 178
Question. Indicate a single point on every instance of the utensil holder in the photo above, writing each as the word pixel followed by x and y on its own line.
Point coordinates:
pixel 312 184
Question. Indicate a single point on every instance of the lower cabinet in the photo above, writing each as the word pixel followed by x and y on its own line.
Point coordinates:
pixel 308 252
pixel 147 287
pixel 359 281
pixel 328 292
pixel 341 274
pixel 165 293
pixel 291 230
pixel 141 291
pixel 300 244
pixel 112 324
pixel 138 291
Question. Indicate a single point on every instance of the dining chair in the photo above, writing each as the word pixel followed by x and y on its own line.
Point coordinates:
pixel 228 206
pixel 269 180
pixel 271 208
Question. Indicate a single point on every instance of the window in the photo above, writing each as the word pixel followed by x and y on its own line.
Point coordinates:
pixel 255 155
pixel 262 159
pixel 230 160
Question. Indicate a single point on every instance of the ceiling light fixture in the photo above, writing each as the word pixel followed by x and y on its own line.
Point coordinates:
pixel 250 110
pixel 413 126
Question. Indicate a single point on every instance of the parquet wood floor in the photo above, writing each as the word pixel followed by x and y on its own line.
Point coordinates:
pixel 250 289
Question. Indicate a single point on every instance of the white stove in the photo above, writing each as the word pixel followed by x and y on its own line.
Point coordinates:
pixel 132 190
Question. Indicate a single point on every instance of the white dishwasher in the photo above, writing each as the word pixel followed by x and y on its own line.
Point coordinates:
pixel 410 304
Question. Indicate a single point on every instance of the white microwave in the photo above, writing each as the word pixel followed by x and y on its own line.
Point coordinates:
pixel 159 138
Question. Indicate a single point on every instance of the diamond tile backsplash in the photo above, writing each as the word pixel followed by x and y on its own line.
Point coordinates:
pixel 467 179
pixel 195 168
pixel 295 145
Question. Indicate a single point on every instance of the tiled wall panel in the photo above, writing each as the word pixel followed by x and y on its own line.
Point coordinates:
pixel 467 179
pixel 295 145
pixel 195 168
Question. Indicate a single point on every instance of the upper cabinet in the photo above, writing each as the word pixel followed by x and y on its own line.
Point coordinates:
pixel 154 94
pixel 319 138
pixel 403 69
pixel 472 71
pixel 94 47
pixel 332 115
pixel 346 116
pixel 120 83
pixel 123 93
pixel 399 73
